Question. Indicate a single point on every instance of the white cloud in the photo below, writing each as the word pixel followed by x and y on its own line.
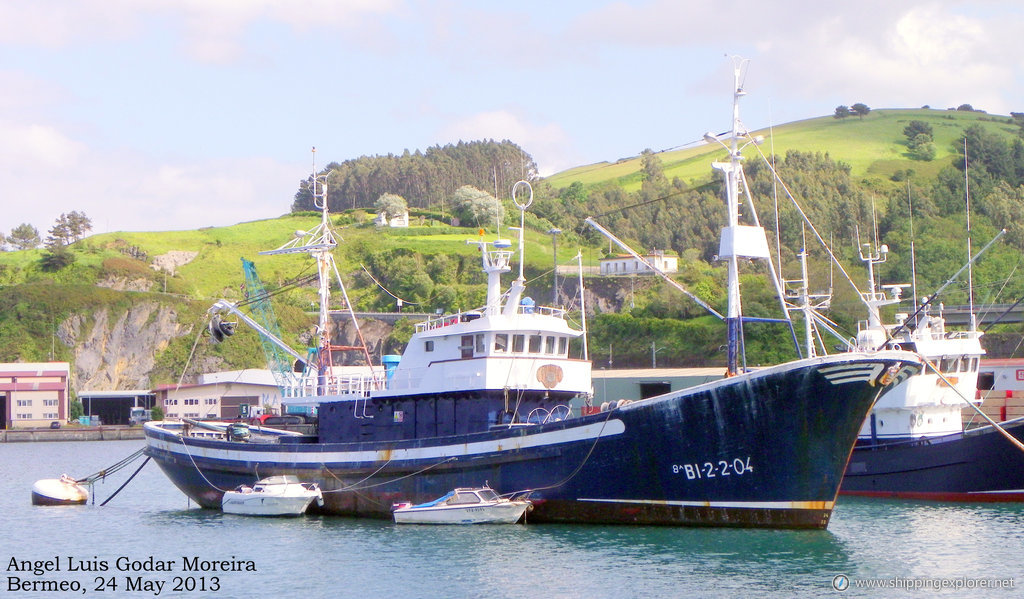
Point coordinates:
pixel 214 30
pixel 56 24
pixel 28 146
pixel 547 143
pixel 914 55
pixel 44 173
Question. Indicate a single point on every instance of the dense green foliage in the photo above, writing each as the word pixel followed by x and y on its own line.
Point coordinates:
pixel 425 179
pixel 854 193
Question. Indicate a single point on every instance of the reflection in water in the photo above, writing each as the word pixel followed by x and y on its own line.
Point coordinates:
pixel 342 557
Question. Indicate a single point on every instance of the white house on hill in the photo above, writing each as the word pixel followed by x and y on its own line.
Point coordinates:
pixel 402 220
pixel 624 264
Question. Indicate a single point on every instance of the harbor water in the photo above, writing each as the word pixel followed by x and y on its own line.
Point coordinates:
pixel 150 541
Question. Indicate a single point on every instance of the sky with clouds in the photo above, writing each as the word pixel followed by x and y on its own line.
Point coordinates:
pixel 176 114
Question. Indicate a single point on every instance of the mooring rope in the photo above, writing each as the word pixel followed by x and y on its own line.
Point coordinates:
pixel 354 488
pixel 353 485
pixel 586 458
pixel 110 469
pixel 125 484
pixel 199 470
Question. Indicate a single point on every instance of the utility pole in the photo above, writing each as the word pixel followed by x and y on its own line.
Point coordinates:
pixel 554 232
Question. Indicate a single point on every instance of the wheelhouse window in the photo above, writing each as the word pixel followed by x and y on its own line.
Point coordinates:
pixel 518 343
pixel 461 498
pixel 428 345
pixel 501 343
pixel 563 346
pixel 467 346
pixel 480 347
pixel 535 341
pixel 549 345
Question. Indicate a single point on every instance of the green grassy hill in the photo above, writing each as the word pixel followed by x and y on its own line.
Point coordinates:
pixel 435 262
pixel 873 147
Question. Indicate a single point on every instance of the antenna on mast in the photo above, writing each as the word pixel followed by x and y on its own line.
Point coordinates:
pixel 522 219
pixel 913 255
pixel 970 267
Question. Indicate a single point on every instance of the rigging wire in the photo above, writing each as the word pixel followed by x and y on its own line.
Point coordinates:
pixel 605 164
pixel 392 480
pixel 188 361
pixel 579 467
pixel 385 289
pixel 652 201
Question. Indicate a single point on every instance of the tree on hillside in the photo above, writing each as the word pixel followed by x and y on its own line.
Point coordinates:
pixel 24 237
pixel 922 148
pixel 1018 119
pixel 78 224
pixel 989 152
pixel 56 257
pixel 3 240
pixel 475 207
pixel 915 128
pixel 68 229
pixel 425 179
pixel 841 112
pixel 392 205
pixel 652 171
pixel 860 109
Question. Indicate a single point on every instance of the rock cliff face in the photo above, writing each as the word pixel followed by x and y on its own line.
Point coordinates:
pixel 118 350
pixel 115 349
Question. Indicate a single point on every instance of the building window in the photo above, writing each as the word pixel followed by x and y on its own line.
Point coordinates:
pixel 50 402
pixel 467 346
pixel 24 416
pixel 51 416
pixel 24 403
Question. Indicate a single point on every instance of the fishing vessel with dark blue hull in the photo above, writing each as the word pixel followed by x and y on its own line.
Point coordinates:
pixel 762 449
pixel 913 444
pixel 975 465
pixel 490 397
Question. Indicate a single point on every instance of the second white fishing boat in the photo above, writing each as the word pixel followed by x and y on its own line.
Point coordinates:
pixel 272 496
pixel 464 506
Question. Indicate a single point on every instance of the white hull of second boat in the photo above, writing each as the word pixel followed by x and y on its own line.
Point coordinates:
pixel 235 503
pixel 508 512
pixel 274 496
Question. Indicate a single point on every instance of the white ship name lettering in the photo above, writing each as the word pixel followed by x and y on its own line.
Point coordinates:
pixel 733 467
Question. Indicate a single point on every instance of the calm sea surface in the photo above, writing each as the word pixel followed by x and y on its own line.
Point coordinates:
pixel 895 543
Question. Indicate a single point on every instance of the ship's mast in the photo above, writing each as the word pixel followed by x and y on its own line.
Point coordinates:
pixel 738 241
pixel 319 244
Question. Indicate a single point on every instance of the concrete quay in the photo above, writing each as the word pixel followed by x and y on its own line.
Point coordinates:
pixel 85 433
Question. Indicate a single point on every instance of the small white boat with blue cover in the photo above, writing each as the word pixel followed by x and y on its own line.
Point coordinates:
pixel 464 506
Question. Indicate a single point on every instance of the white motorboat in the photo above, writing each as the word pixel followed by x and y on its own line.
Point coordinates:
pixel 464 506
pixel 59 491
pixel 272 496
